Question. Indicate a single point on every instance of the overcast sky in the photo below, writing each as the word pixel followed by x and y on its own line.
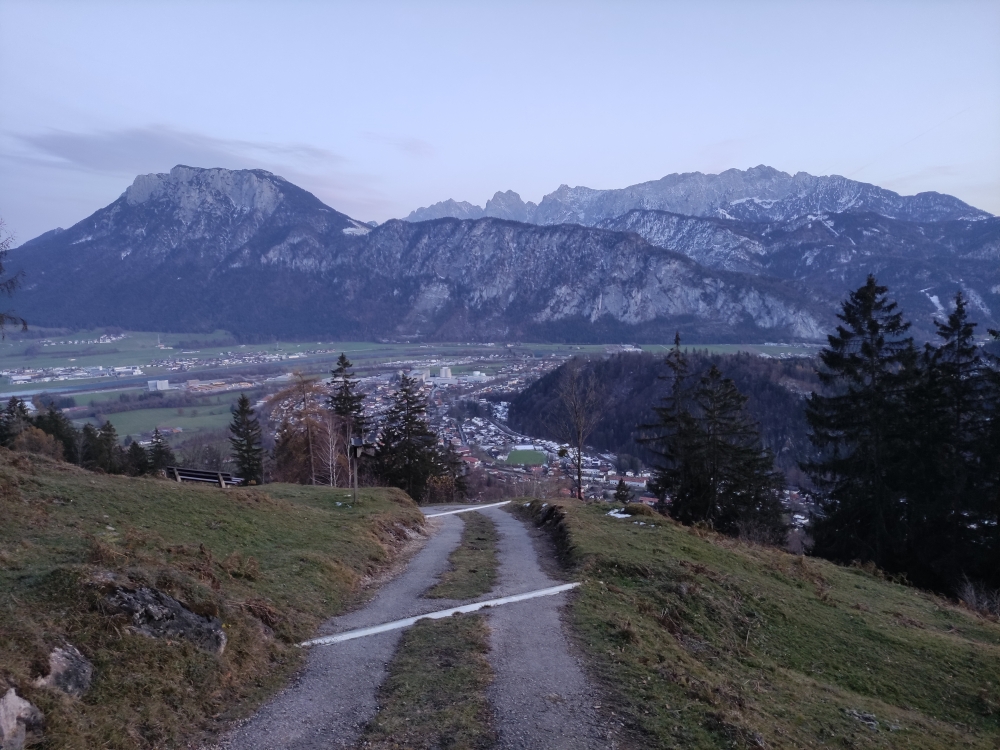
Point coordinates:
pixel 380 107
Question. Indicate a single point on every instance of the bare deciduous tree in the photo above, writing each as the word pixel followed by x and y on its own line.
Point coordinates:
pixel 581 406
pixel 330 448
pixel 9 285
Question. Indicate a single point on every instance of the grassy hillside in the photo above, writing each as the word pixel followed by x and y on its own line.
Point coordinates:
pixel 706 642
pixel 270 562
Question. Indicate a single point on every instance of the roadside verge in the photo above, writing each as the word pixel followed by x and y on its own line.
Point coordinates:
pixel 705 641
pixel 84 557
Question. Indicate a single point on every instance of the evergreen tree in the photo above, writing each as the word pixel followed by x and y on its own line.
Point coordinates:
pixel 245 439
pixel 712 467
pixel 862 428
pixel 14 419
pixel 136 460
pixel 988 503
pixel 667 437
pixel 728 478
pixel 622 493
pixel 950 424
pixel 55 423
pixel 105 452
pixel 160 454
pixel 407 455
pixel 90 450
pixel 347 402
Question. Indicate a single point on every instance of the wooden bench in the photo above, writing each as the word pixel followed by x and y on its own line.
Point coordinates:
pixel 221 478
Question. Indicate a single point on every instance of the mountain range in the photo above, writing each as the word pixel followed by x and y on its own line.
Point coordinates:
pixel 758 194
pixel 754 255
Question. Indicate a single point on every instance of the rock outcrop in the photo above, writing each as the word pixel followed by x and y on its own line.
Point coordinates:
pixel 17 718
pixel 69 671
pixel 157 615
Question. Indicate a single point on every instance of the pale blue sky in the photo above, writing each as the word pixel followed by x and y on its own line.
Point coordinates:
pixel 380 107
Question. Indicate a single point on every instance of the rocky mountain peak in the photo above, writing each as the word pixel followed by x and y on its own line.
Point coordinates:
pixel 509 205
pixel 193 188
pixel 758 194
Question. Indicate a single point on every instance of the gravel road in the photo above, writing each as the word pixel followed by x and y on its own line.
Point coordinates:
pixel 334 696
pixel 541 697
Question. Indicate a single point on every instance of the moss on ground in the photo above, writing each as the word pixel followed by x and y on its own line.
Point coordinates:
pixel 435 695
pixel 270 562
pixel 473 570
pixel 706 642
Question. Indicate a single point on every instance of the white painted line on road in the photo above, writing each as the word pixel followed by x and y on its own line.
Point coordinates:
pixel 465 510
pixel 398 624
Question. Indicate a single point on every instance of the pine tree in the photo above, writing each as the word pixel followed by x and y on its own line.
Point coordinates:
pixel 347 402
pixel 55 423
pixel 861 427
pixel 160 454
pixel 729 480
pixel 108 453
pixel 90 449
pixel 13 420
pixel 950 425
pixel 622 493
pixel 407 455
pixel 667 437
pixel 711 465
pixel 245 439
pixel 136 460
pixel 988 504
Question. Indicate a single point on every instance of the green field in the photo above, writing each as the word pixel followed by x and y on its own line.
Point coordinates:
pixel 526 458
pixel 192 420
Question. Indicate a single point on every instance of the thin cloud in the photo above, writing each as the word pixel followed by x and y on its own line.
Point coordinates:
pixel 409 146
pixel 135 151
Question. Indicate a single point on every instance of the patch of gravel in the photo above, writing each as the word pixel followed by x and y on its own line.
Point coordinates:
pixel 541 696
pixel 333 698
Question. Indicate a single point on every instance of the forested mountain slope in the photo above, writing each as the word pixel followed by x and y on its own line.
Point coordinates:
pixel 632 386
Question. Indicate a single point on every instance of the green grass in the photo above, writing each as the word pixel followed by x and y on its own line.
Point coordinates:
pixel 435 695
pixel 473 563
pixel 192 420
pixel 526 458
pixel 270 562
pixel 705 642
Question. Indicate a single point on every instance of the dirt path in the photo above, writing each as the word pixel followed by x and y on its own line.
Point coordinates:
pixel 540 695
pixel 334 696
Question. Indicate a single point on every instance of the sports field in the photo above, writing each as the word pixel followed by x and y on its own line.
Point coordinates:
pixel 526 458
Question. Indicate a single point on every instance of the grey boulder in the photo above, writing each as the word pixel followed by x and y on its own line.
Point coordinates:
pixel 17 717
pixel 158 615
pixel 69 671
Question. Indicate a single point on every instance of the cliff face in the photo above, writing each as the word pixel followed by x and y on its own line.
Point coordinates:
pixel 201 249
pixel 250 252
pixel 923 263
